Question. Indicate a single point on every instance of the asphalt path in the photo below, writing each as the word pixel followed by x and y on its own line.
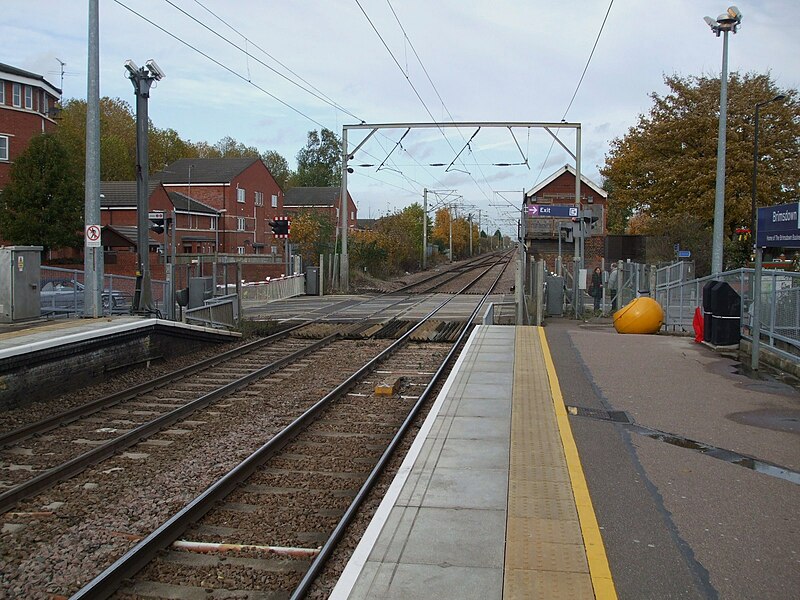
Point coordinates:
pixel 678 523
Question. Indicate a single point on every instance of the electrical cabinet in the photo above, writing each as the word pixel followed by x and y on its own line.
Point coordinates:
pixel 20 273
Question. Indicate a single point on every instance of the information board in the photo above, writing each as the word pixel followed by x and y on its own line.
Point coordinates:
pixel 552 210
pixel 779 226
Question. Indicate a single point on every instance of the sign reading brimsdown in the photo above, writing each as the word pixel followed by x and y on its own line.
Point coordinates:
pixel 779 226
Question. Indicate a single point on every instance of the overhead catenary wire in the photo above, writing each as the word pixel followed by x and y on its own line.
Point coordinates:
pixel 410 83
pixel 247 79
pixel 577 87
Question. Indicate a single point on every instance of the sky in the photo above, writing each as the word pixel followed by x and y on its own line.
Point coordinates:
pixel 266 72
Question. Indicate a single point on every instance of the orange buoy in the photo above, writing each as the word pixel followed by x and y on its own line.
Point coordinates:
pixel 643 315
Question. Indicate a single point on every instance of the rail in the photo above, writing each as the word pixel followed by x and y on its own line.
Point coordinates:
pixel 107 582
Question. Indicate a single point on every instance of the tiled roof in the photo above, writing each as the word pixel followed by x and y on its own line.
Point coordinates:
pixel 4 68
pixel 185 203
pixel 131 233
pixel 566 169
pixel 204 170
pixel 312 196
pixel 115 194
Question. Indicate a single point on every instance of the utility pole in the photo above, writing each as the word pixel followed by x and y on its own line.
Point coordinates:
pixel 424 228
pixel 93 260
pixel 469 221
pixel 142 79
pixel 344 263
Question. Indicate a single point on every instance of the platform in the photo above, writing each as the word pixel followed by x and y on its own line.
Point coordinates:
pixel 490 501
pixel 70 353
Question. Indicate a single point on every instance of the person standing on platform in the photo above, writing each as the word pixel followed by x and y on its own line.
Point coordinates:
pixel 613 286
pixel 596 287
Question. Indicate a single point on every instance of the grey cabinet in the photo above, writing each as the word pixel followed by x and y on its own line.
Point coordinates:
pixel 20 272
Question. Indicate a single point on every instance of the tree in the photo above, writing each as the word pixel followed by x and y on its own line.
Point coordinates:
pixel 42 205
pixel 278 166
pixel 665 166
pixel 367 250
pixel 117 137
pixel 402 238
pixel 319 163
pixel 312 235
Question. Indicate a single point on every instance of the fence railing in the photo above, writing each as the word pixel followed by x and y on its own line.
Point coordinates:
pixel 217 312
pixel 276 289
pixel 61 292
pixel 779 311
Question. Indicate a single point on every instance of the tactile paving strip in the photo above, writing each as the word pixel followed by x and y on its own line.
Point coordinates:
pixel 545 555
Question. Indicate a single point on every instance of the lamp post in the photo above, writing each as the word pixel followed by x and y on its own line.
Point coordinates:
pixel 753 208
pixel 726 22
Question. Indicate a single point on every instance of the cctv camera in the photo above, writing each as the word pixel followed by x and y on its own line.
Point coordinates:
pixel 155 70
pixel 131 66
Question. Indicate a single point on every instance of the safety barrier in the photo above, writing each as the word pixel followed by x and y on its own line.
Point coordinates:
pixel 61 292
pixel 779 312
pixel 217 312
pixel 275 289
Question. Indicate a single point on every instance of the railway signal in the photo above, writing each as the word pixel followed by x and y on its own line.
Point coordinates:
pixel 281 227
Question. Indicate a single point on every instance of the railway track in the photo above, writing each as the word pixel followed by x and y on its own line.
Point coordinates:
pixel 263 421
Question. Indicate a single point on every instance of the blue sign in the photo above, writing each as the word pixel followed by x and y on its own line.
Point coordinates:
pixel 552 210
pixel 684 253
pixel 779 226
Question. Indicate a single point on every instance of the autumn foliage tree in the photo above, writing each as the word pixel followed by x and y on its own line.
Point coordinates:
pixel 312 234
pixel 664 169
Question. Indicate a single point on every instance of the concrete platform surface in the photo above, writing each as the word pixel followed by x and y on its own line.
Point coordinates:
pixel 483 506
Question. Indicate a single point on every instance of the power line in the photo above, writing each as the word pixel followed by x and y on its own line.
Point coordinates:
pixel 247 79
pixel 218 63
pixel 433 85
pixel 578 87
pixel 413 87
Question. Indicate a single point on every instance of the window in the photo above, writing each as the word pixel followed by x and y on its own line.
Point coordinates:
pixel 43 103
pixel 16 94
pixel 28 97
pixel 213 223
pixel 240 249
pixel 259 198
pixel 240 194
pixel 273 249
pixel 2 92
pixel 274 201
pixel 3 147
pixel 240 223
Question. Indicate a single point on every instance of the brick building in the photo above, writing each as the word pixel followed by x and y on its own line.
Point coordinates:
pixel 241 190
pixel 542 232
pixel 195 226
pixel 321 200
pixel 28 105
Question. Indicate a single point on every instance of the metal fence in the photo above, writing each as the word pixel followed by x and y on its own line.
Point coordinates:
pixel 61 292
pixel 779 312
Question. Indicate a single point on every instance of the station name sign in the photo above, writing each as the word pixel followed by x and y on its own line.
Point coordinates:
pixel 552 210
pixel 779 226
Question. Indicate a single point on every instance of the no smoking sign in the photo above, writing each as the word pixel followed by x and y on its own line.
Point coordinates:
pixel 92 236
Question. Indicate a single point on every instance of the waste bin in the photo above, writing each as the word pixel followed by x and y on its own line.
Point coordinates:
pixel 722 314
pixel 312 281
pixel 554 303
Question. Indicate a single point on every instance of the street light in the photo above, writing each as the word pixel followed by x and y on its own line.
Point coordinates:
pixel 726 22
pixel 753 213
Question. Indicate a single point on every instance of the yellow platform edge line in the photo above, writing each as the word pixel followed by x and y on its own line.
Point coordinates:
pixel 599 569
